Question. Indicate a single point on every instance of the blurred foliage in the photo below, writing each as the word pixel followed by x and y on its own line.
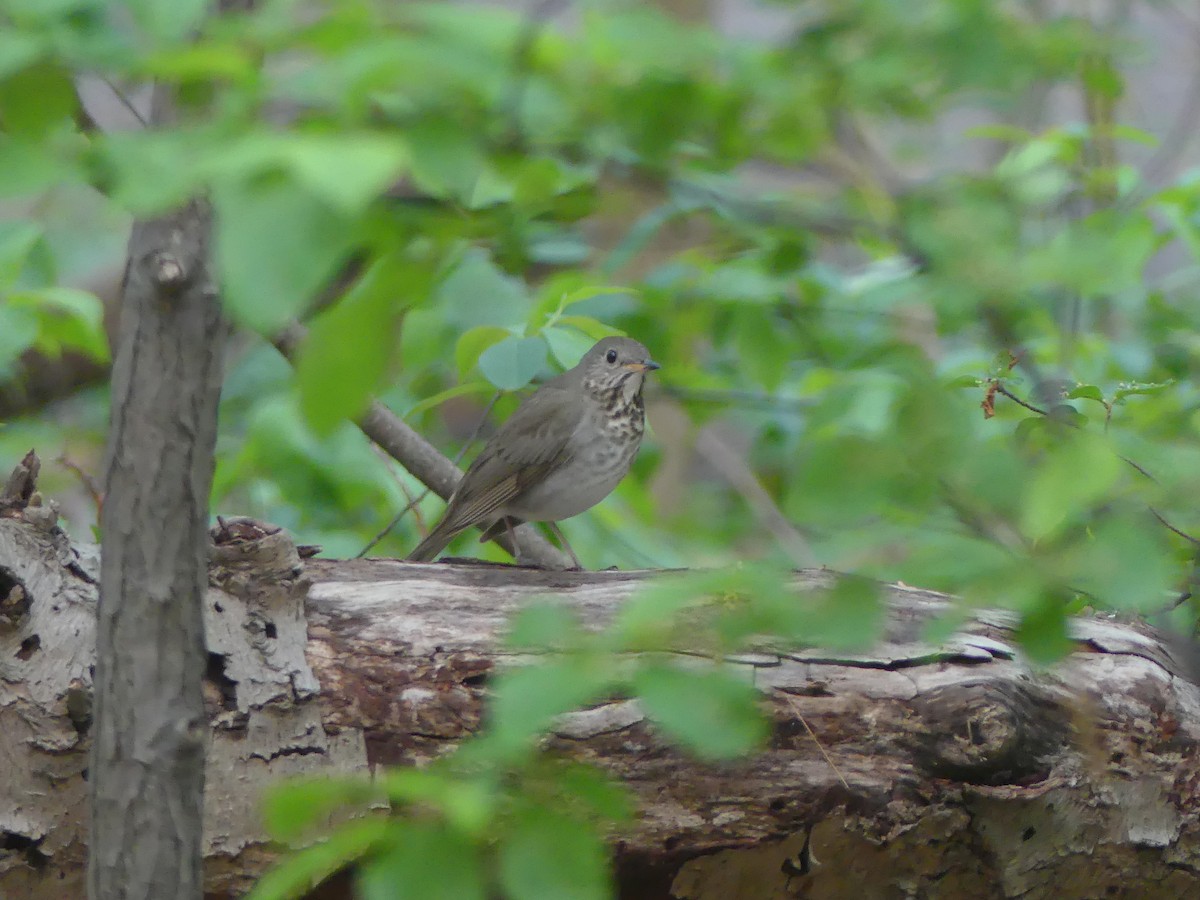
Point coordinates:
pixel 960 373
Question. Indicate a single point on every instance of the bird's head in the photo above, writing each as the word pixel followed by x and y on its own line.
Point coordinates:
pixel 616 364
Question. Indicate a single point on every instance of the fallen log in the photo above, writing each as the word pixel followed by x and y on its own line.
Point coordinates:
pixel 914 770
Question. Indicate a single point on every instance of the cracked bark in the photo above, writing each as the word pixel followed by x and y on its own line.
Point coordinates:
pixel 960 770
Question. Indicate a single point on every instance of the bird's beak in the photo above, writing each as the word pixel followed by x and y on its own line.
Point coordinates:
pixel 648 365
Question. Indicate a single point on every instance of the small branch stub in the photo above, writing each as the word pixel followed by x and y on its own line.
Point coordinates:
pixel 169 272
pixel 22 483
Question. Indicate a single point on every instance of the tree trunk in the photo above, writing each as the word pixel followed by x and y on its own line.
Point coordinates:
pixel 916 770
pixel 147 770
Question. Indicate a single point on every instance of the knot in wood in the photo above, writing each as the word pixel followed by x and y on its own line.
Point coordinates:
pixel 989 733
pixel 14 600
pixel 241 547
pixel 169 271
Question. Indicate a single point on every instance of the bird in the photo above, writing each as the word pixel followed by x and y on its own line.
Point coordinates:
pixel 564 450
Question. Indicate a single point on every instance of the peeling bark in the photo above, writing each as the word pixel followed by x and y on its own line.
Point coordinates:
pixel 930 771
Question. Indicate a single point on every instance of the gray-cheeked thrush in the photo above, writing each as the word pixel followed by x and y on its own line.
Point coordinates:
pixel 563 451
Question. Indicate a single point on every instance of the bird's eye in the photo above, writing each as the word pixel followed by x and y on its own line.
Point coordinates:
pixel 611 356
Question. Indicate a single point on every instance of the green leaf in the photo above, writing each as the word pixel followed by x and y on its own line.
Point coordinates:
pixel 1183 225
pixel 743 282
pixel 527 700
pixel 468 804
pixel 300 872
pixel 446 160
pixel 202 62
pixel 18 331
pixel 36 99
pixel 537 180
pixel 649 618
pixel 67 318
pixel 851 615
pixel 544 626
pixel 169 20
pixel 869 402
pixel 459 390
pixel 1126 564
pixel 596 792
pixel 298 805
pixel 566 289
pixel 152 171
pixel 1103 253
pixel 18 50
pixel 477 293
pixel 472 343
pixel 711 712
pixel 737 601
pixel 512 363
pixel 1086 392
pixel 966 381
pixel 275 246
pixel 1078 471
pixel 591 327
pixel 345 171
pixel 550 855
pixel 1043 631
pixel 1137 388
pixel 638 238
pixel 26 167
pixel 562 248
pixel 491 188
pixel 998 131
pixel 349 349
pixel 423 861
pixel 567 345
pixel 763 350
pixel 348 171
pixel 17 241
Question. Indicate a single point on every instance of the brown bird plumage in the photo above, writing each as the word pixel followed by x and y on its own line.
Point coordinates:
pixel 560 453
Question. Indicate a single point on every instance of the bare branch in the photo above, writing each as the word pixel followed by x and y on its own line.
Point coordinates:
pixel 741 477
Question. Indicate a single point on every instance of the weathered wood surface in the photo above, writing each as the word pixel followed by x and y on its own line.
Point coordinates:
pixel 966 773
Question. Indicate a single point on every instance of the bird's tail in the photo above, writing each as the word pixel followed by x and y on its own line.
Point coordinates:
pixel 434 543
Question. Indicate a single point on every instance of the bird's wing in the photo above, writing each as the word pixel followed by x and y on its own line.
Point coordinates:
pixel 533 442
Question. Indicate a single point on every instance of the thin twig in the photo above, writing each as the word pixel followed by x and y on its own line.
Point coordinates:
pixel 995 531
pixel 1004 335
pixel 796 709
pixel 399 482
pixel 1137 467
pixel 414 503
pixel 741 477
pixel 853 135
pixel 124 101
pixel 408 497
pixel 1001 389
pixel 1183 534
pixel 89 483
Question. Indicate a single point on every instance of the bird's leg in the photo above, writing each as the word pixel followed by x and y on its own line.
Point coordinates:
pixel 564 543
pixel 512 538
